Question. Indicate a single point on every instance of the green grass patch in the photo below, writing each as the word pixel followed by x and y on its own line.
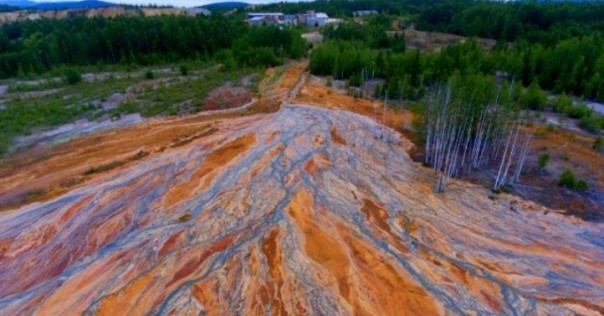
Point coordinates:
pixel 168 99
pixel 22 116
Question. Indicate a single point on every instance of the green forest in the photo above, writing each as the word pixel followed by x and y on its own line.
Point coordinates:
pixel 545 22
pixel 553 47
pixel 568 66
pixel 35 47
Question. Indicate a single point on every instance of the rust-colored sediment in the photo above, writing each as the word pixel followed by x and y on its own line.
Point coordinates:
pixel 304 211
pixel 215 160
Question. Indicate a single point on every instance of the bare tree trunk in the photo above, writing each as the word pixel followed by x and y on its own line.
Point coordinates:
pixel 511 157
pixel 500 172
pixel 522 157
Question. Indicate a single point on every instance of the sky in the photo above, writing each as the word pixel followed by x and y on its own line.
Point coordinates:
pixel 176 3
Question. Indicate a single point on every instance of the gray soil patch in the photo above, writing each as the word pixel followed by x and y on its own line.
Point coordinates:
pixel 70 131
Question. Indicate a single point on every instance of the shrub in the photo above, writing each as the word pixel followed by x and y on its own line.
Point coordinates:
pixel 71 76
pixel 569 180
pixel 598 143
pixel 355 80
pixel 579 111
pixel 184 70
pixel 581 185
pixel 534 98
pixel 591 124
pixel 149 74
pixel 543 160
pixel 227 58
pixel 563 104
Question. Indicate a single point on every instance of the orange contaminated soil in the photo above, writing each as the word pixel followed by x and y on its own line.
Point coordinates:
pixel 337 138
pixel 213 162
pixel 273 257
pixel 43 174
pixel 226 97
pixel 316 94
pixel 291 213
pixel 573 151
pixel 568 150
pixel 355 269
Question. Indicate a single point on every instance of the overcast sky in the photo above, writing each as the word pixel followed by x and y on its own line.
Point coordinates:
pixel 176 3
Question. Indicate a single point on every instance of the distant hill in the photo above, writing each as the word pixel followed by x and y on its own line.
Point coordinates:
pixel 18 3
pixel 7 8
pixel 73 5
pixel 87 4
pixel 226 5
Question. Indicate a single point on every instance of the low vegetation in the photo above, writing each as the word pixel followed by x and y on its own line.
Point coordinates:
pixel 71 76
pixel 543 160
pixel 598 143
pixel 569 180
pixel 70 102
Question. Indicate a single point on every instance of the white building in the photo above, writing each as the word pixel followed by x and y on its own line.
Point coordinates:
pixel 265 18
pixel 316 19
pixel 310 18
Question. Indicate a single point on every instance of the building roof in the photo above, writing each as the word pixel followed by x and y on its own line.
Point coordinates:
pixel 255 19
pixel 265 14
pixel 321 15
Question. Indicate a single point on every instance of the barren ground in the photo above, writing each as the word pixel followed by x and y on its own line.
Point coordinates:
pixel 297 205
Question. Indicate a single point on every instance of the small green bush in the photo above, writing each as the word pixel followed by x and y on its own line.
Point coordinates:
pixel 543 160
pixel 579 111
pixel 569 180
pixel 534 98
pixel 184 70
pixel 149 74
pixel 355 80
pixel 598 143
pixel 71 76
pixel 563 104
pixel 591 124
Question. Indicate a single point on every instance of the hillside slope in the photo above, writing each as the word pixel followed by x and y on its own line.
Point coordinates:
pixel 303 211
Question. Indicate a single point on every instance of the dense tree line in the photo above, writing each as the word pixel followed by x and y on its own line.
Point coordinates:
pixel 537 22
pixel 375 33
pixel 574 66
pixel 544 22
pixel 38 46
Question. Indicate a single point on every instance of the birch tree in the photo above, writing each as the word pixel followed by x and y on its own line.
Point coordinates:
pixel 472 123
